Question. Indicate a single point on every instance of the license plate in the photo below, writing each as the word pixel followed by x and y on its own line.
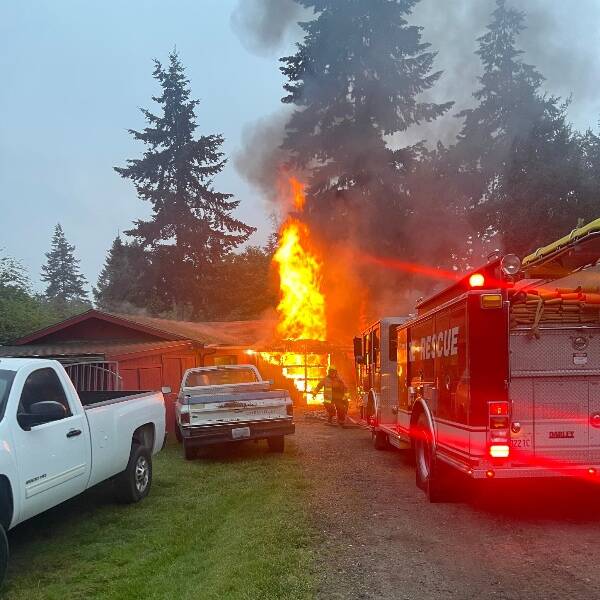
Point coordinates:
pixel 239 433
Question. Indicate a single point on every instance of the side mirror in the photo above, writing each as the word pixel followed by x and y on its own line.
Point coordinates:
pixel 358 350
pixel 166 389
pixel 40 413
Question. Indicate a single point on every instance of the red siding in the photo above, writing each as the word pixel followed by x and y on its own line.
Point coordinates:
pixel 154 371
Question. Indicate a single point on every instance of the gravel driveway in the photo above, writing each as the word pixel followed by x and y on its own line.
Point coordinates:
pixel 381 538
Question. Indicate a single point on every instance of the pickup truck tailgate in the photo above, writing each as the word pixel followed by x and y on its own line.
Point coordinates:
pixel 213 408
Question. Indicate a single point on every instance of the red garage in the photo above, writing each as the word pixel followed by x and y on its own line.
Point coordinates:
pixel 102 350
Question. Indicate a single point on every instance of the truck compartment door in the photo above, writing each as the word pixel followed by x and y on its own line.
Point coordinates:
pixel 561 421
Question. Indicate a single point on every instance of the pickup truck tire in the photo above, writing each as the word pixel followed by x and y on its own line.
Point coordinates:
pixel 276 443
pixel 178 435
pixel 135 481
pixel 3 553
pixel 189 452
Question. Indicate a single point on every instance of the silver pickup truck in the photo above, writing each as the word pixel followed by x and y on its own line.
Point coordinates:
pixel 229 404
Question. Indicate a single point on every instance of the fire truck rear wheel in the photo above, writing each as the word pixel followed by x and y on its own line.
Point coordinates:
pixel 380 441
pixel 431 475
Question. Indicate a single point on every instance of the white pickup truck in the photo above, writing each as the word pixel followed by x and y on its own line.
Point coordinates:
pixel 56 443
pixel 228 404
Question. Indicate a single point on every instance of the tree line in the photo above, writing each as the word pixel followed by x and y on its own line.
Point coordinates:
pixel 517 176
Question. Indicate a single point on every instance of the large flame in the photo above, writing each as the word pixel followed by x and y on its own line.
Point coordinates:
pixel 302 305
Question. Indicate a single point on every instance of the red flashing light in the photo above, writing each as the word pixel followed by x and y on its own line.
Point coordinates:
pixel 499 450
pixel 490 474
pixel 592 471
pixel 477 280
pixel 499 409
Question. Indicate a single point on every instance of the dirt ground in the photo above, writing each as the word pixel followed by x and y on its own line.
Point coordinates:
pixel 381 538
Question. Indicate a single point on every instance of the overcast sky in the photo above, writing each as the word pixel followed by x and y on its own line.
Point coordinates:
pixel 73 74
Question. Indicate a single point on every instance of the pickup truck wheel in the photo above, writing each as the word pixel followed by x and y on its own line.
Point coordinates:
pixel 277 443
pixel 178 435
pixel 3 554
pixel 134 483
pixel 188 451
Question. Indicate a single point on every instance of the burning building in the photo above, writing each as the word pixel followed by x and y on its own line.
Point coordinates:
pixel 303 352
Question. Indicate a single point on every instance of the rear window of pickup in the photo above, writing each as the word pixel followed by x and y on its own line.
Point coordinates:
pixel 219 376
pixel 6 380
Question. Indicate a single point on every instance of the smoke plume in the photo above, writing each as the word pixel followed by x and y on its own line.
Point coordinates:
pixel 560 40
pixel 263 25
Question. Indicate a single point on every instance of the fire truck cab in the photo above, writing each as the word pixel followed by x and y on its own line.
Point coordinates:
pixel 498 376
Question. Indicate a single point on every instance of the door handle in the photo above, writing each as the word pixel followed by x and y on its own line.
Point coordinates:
pixel 74 433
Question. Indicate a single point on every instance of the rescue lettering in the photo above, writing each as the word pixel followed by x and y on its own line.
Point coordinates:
pixel 444 343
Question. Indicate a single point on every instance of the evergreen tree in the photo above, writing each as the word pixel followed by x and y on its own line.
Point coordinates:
pixel 191 228
pixel 61 272
pixel 245 286
pixel 519 163
pixel 21 312
pixel 121 285
pixel 355 81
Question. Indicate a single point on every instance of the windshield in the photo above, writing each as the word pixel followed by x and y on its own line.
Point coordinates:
pixel 220 377
pixel 6 379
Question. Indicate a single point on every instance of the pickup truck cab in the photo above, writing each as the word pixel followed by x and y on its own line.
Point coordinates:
pixel 228 404
pixel 56 443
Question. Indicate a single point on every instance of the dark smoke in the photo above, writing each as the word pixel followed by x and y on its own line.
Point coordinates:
pixel 559 40
pixel 260 159
pixel 264 25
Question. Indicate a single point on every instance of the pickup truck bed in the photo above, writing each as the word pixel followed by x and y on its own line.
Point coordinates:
pixel 92 399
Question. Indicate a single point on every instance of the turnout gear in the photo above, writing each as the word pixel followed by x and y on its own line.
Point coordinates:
pixel 334 395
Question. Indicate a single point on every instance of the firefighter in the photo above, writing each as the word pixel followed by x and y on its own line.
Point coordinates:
pixel 334 393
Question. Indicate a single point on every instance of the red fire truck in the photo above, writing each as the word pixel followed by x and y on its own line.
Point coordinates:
pixel 498 375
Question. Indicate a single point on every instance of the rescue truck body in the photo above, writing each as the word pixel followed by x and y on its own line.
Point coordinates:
pixel 498 376
pixel 375 358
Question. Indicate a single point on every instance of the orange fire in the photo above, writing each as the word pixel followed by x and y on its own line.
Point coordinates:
pixel 302 305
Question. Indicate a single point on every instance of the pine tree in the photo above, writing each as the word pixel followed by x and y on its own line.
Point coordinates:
pixel 191 228
pixel 516 154
pixel 121 285
pixel 61 273
pixel 355 81
pixel 509 99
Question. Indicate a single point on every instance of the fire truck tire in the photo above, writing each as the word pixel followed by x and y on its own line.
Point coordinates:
pixel 431 475
pixel 380 441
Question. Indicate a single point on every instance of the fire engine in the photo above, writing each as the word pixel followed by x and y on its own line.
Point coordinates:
pixel 498 375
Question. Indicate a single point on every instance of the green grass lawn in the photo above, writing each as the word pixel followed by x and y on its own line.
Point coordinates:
pixel 230 525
